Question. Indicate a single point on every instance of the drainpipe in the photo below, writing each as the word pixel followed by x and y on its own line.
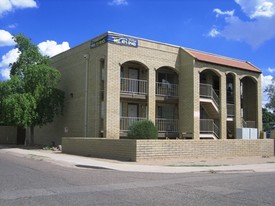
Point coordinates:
pixel 86 57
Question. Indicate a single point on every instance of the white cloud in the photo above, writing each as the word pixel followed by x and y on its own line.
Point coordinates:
pixel 12 26
pixel 254 32
pixel 220 12
pixel 4 73
pixel 51 48
pixel 266 80
pixel 6 38
pixel 7 59
pixel 10 5
pixel 257 8
pixel 213 32
pixel 118 2
pixel 271 70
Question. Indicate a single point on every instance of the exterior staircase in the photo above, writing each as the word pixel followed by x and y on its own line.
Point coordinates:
pixel 209 100
pixel 210 107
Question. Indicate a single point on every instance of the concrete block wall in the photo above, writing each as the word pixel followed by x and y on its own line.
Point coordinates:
pixel 138 150
pixel 253 90
pixel 72 65
pixel 152 55
pixel 100 147
pixel 165 149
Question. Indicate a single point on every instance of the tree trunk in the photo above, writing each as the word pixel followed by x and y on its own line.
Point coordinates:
pixel 29 140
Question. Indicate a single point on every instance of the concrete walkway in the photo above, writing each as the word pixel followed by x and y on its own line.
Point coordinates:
pixel 221 165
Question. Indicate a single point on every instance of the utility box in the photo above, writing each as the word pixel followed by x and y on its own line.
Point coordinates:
pixel 253 133
pixel 247 133
pixel 243 133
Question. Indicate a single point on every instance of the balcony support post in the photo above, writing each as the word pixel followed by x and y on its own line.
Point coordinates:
pixel 151 112
pixel 237 97
pixel 223 107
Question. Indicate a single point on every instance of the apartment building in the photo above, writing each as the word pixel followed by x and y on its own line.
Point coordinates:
pixel 115 80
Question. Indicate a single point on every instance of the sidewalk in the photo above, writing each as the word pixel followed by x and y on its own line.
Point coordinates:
pixel 213 165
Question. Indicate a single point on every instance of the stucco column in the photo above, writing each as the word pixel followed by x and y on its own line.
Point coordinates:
pixel 223 107
pixel 151 111
pixel 196 105
pixel 112 98
pixel 237 98
pixel 259 106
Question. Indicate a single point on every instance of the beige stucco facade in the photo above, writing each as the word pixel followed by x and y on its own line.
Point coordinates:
pixel 109 85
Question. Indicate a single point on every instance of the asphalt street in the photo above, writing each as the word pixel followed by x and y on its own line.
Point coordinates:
pixel 32 181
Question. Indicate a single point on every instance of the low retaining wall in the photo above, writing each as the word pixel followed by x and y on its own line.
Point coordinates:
pixel 138 150
pixel 99 147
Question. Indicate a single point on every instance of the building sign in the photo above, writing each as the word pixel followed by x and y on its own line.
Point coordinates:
pixel 123 40
pixel 98 42
pixel 115 39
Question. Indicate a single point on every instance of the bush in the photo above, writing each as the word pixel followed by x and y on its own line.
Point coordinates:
pixel 144 129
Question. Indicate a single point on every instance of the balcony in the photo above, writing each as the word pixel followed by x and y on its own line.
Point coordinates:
pixel 133 86
pixel 230 110
pixel 209 100
pixel 166 89
pixel 208 128
pixel 167 125
pixel 249 124
pixel 206 91
pixel 126 122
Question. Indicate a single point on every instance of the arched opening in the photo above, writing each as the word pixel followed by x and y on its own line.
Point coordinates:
pixel 133 77
pixel 133 94
pixel 249 102
pixel 167 102
pixel 209 104
pixel 230 101
pixel 166 82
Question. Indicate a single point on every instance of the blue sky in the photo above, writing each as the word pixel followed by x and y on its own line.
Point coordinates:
pixel 241 29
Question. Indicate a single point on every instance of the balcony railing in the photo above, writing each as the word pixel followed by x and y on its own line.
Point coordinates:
pixel 126 122
pixel 167 125
pixel 206 91
pixel 207 126
pixel 230 110
pixel 133 86
pixel 249 124
pixel 166 89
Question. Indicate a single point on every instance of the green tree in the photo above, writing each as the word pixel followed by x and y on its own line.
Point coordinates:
pixel 31 97
pixel 268 119
pixel 144 129
pixel 270 91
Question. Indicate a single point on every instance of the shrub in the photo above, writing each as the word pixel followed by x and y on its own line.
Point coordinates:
pixel 144 129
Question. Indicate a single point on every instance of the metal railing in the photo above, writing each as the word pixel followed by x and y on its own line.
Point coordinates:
pixel 206 91
pixel 133 86
pixel 249 124
pixel 166 89
pixel 167 125
pixel 126 122
pixel 230 110
pixel 208 126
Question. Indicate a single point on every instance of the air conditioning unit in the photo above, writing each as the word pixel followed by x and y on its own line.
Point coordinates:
pixel 247 133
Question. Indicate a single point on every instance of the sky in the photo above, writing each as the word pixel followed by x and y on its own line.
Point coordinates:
pixel 240 29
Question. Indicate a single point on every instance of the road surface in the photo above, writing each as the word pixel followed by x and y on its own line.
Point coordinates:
pixel 32 181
